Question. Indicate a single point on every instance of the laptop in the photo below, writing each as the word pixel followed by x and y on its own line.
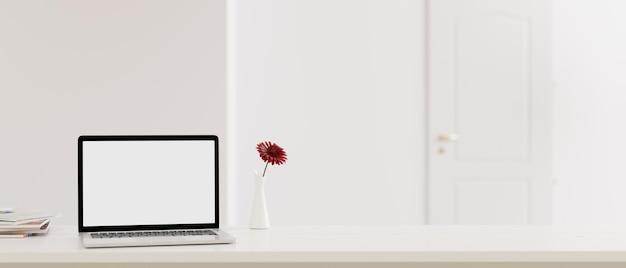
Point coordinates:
pixel 148 191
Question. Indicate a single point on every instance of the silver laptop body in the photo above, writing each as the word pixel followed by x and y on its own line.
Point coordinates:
pixel 148 191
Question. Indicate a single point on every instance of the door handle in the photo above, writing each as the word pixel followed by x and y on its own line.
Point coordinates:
pixel 448 137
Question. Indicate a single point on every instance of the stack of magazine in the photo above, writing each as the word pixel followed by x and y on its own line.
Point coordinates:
pixel 14 224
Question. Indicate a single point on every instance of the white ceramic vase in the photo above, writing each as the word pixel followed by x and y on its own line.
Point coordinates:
pixel 259 218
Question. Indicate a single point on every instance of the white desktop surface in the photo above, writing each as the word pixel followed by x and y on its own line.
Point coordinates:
pixel 347 244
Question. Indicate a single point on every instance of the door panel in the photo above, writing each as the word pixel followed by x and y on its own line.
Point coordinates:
pixel 491 74
pixel 499 201
pixel 489 113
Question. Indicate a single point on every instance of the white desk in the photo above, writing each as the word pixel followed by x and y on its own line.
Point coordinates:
pixel 346 246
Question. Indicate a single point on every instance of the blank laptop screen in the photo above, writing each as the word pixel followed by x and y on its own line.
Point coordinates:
pixel 148 182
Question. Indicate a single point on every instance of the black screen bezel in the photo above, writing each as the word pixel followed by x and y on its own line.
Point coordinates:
pixel 84 138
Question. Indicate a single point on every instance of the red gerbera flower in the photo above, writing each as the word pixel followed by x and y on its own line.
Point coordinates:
pixel 271 153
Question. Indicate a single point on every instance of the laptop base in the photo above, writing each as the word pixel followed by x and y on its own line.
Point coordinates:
pixel 221 238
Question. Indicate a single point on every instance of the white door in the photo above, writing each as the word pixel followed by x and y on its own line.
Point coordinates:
pixel 489 112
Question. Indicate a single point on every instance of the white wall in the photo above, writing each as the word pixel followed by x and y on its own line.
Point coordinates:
pixel 328 76
pixel 311 74
pixel 340 85
pixel 69 68
pixel 589 69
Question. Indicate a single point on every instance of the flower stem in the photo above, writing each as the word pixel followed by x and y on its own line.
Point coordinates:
pixel 265 169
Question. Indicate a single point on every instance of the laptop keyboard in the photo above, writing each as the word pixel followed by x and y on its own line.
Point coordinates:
pixel 152 233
